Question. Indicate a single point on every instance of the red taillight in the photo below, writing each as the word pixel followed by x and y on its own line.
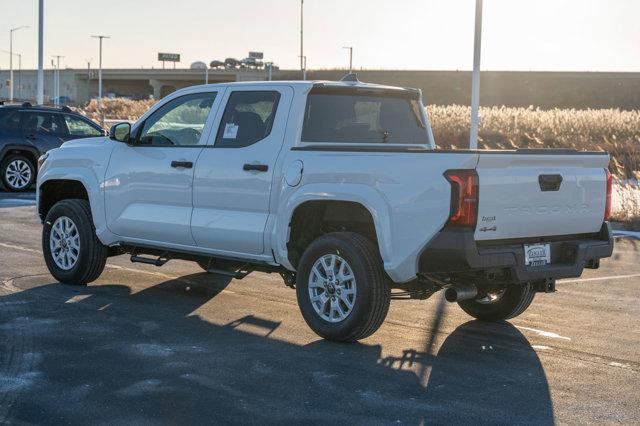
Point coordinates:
pixel 607 206
pixel 464 197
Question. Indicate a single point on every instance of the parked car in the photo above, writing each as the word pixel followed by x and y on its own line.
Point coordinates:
pixel 250 62
pixel 338 187
pixel 61 100
pixel 216 64
pixel 231 63
pixel 27 132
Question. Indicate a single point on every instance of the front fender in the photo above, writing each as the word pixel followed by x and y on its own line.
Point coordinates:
pixel 86 167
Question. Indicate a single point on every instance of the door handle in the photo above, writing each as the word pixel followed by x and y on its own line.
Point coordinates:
pixel 550 182
pixel 183 164
pixel 255 167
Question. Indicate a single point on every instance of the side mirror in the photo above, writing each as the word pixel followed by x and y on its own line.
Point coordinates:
pixel 120 132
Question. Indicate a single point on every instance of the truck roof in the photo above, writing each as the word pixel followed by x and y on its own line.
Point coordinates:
pixel 308 84
pixel 28 106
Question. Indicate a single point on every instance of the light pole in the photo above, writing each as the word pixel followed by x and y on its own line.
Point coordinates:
pixel 269 66
pixel 40 81
pixel 302 65
pixel 19 75
pixel 89 77
pixel 475 80
pixel 11 31
pixel 206 74
pixel 350 57
pixel 56 76
pixel 100 37
pixel 19 55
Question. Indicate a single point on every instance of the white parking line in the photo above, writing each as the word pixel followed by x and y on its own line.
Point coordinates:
pixel 14 247
pixel 544 333
pixel 109 265
pixel 610 277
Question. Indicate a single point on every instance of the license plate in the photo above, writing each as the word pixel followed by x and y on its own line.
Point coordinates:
pixel 537 254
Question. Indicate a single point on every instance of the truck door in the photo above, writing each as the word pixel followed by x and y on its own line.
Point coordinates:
pixel 148 183
pixel 233 177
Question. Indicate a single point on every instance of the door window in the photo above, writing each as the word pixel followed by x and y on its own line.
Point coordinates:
pixel 42 123
pixel 179 122
pixel 76 126
pixel 13 121
pixel 247 119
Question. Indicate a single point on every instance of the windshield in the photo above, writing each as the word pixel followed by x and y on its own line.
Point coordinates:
pixel 363 118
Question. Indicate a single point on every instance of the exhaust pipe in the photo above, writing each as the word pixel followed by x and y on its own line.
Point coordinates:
pixel 459 292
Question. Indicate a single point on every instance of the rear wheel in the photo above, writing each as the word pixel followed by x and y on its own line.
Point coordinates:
pixel 342 288
pixel 501 305
pixel 18 173
pixel 72 251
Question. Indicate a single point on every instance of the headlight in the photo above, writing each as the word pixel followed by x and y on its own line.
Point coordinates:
pixel 42 159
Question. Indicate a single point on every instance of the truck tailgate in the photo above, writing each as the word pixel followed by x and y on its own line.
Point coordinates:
pixel 540 194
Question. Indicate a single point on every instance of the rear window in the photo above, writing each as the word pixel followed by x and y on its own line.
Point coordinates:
pixel 363 118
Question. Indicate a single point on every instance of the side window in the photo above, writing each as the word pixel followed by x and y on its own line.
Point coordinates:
pixel 13 121
pixel 80 127
pixel 42 122
pixel 247 119
pixel 179 122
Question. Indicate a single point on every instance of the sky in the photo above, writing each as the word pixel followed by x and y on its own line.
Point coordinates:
pixel 581 35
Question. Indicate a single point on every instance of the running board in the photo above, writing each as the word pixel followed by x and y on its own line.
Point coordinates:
pixel 238 275
pixel 159 261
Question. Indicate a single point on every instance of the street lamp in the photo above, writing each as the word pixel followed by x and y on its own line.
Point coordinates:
pixel 11 59
pixel 100 37
pixel 304 67
pixel 19 55
pixel 475 79
pixel 56 80
pixel 302 64
pixel 350 57
pixel 88 77
pixel 40 80
pixel 269 67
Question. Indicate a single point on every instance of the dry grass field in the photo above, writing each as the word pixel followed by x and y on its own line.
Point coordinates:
pixel 611 130
pixel 615 131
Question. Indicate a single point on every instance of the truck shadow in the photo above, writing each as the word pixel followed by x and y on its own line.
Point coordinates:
pixel 101 352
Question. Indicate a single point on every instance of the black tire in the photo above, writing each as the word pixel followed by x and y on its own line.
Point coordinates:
pixel 514 301
pixel 3 171
pixel 372 290
pixel 92 255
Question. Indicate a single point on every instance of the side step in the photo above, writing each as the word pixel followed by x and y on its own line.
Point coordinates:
pixel 164 257
pixel 238 275
pixel 159 261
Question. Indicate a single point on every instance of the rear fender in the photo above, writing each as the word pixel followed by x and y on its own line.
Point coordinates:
pixel 364 195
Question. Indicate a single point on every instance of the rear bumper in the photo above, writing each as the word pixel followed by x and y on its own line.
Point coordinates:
pixel 455 250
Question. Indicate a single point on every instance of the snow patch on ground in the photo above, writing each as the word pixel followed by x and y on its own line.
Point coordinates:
pixel 630 234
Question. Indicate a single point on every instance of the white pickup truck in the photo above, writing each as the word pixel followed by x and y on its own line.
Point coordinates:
pixel 337 186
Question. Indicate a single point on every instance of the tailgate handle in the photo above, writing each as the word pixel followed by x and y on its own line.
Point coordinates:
pixel 550 182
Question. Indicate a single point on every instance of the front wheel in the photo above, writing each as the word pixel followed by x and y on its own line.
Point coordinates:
pixel 72 251
pixel 501 305
pixel 342 288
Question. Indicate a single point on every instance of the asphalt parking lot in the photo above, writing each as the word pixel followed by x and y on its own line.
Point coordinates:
pixel 150 345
